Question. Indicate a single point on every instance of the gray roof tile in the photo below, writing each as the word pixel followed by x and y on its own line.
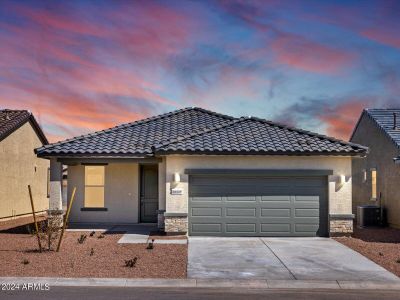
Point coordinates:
pixel 195 130
pixel 11 120
pixel 384 118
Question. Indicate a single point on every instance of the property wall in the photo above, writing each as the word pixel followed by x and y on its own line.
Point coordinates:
pixel 19 167
pixel 381 153
pixel 339 196
pixel 121 194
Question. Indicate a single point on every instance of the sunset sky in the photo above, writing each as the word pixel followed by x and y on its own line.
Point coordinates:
pixel 82 66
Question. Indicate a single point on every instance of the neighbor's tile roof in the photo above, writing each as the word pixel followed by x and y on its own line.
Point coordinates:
pixel 195 130
pixel 384 118
pixel 11 120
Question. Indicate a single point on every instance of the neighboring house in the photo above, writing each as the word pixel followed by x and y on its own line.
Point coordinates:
pixel 377 177
pixel 209 174
pixel 20 134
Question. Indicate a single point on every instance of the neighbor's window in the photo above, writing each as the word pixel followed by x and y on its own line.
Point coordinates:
pixel 48 182
pixel 364 175
pixel 94 186
pixel 373 184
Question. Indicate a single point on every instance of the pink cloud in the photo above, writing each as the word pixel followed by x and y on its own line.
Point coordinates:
pixel 301 53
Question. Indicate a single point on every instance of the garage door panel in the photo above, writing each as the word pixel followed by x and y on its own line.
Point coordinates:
pixel 207 212
pixel 206 199
pixel 275 198
pixel 311 228
pixel 240 228
pixel 306 212
pixel 206 228
pixel 241 198
pixel 258 206
pixel 240 212
pixel 275 212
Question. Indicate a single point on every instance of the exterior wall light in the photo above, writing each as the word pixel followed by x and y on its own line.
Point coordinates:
pixel 342 179
pixel 177 177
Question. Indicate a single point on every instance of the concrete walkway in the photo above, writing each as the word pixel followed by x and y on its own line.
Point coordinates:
pixel 305 259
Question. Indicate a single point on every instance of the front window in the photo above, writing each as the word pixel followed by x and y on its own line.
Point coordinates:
pixel 94 186
pixel 373 184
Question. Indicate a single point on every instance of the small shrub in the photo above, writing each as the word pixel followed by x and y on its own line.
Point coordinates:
pixel 92 233
pixel 49 232
pixel 91 252
pixel 398 260
pixel 25 261
pixel 380 254
pixel 101 236
pixel 150 245
pixel 82 239
pixel 130 263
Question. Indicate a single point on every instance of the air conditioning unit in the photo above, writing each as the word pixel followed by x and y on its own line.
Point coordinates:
pixel 369 215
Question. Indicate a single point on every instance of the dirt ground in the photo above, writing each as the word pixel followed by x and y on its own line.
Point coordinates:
pixel 78 260
pixel 381 245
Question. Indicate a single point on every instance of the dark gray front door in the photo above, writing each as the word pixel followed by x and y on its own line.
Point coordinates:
pixel 223 205
pixel 149 193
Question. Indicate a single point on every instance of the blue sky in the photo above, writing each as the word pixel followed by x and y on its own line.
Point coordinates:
pixel 82 66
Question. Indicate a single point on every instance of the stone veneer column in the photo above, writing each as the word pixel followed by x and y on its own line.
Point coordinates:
pixel 176 222
pixel 55 211
pixel 341 224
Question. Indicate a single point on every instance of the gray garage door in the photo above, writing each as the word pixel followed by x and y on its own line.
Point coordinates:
pixel 222 205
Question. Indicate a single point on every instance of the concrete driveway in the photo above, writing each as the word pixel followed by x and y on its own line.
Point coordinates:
pixel 281 259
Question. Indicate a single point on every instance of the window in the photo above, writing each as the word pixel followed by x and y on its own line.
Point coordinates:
pixel 94 186
pixel 373 184
pixel 364 175
pixel 48 182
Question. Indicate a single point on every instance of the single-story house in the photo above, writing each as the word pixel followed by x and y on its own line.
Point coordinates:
pixel 20 134
pixel 376 179
pixel 205 173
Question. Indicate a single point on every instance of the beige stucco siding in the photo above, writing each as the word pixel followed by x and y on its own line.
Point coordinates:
pixel 19 167
pixel 339 196
pixel 121 194
pixel 381 153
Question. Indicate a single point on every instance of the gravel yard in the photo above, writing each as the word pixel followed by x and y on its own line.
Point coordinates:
pixel 381 245
pixel 107 259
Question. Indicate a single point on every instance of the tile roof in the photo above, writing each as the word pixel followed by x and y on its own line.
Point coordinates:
pixel 257 136
pixel 196 130
pixel 11 120
pixel 384 119
pixel 137 138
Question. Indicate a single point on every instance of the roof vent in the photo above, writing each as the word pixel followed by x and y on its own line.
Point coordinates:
pixel 395 125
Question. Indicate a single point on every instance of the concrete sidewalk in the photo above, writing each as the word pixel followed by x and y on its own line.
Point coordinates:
pixel 202 283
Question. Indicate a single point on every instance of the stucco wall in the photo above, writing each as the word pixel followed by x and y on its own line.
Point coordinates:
pixel 17 170
pixel 121 194
pixel 381 153
pixel 339 197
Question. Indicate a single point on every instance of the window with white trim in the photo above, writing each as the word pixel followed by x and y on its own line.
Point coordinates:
pixel 94 186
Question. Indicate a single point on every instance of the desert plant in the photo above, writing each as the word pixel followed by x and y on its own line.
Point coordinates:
pixel 49 232
pixel 92 233
pixel 130 263
pixel 25 261
pixel 101 236
pixel 150 245
pixel 398 260
pixel 82 239
pixel 380 254
pixel 91 252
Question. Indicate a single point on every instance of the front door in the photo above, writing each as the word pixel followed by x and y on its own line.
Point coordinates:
pixel 148 193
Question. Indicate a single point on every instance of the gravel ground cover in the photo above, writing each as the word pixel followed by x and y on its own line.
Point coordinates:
pixel 95 257
pixel 381 245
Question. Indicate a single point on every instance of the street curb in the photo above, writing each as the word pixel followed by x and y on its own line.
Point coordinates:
pixel 204 283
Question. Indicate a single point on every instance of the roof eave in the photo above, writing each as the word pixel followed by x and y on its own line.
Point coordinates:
pixel 260 153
